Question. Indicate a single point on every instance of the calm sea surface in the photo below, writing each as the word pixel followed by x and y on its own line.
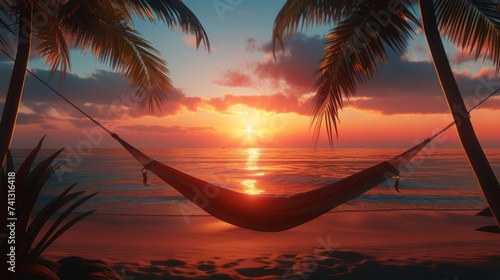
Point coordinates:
pixel 436 179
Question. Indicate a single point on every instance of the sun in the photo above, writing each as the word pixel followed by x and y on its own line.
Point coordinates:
pixel 249 130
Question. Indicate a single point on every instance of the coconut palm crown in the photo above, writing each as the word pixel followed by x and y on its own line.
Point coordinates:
pixel 105 28
pixel 362 33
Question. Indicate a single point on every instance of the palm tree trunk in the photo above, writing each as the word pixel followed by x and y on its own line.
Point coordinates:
pixel 14 94
pixel 16 86
pixel 477 159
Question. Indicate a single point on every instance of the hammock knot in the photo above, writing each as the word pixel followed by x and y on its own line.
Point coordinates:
pixel 145 176
pixel 396 182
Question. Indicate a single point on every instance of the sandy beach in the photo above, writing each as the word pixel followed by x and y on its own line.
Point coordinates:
pixel 412 244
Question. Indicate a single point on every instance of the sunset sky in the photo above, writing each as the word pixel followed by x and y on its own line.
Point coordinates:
pixel 239 96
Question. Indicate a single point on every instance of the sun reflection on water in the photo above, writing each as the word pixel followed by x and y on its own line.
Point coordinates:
pixel 252 164
pixel 250 187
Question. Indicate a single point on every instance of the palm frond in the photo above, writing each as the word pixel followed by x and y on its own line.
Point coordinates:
pixel 113 41
pixel 63 229
pixel 174 13
pixel 35 181
pixel 50 236
pixel 44 215
pixel 52 45
pixel 354 50
pixel 4 190
pixel 24 169
pixel 38 271
pixel 307 13
pixel 5 20
pixel 473 25
pixel 29 182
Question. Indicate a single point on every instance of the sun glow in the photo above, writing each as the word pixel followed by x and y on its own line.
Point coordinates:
pixel 249 129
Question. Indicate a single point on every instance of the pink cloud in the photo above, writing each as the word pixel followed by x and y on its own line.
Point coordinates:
pixel 295 67
pixel 461 57
pixel 189 40
pixel 292 71
pixel 233 78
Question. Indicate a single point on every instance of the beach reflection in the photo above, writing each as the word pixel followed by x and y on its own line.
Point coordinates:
pixel 253 155
pixel 249 185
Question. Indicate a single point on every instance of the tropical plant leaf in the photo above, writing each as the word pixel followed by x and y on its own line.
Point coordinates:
pixel 114 42
pixel 354 50
pixel 355 47
pixel 307 13
pixel 4 190
pixel 24 169
pixel 3 200
pixel 43 217
pixel 31 190
pixel 67 226
pixel 5 20
pixel 9 162
pixel 174 13
pixel 473 25
pixel 27 196
pixel 37 251
pixel 39 270
pixel 35 181
pixel 106 28
pixel 53 47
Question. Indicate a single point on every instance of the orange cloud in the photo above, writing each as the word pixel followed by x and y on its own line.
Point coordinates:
pixel 277 103
pixel 168 129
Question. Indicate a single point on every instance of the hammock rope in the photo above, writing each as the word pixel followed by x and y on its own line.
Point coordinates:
pixel 262 212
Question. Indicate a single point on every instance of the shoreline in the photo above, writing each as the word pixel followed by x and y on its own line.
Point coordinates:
pixel 340 244
pixel 330 212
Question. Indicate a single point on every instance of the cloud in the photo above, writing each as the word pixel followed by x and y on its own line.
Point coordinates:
pixel 169 129
pixel 295 67
pixel 461 57
pixel 189 40
pixel 177 102
pixel 277 103
pixel 24 119
pixel 106 97
pixel 232 78
pixel 403 86
pixel 251 45
pixel 49 127
pixel 103 95
pixel 417 54
pixel 292 71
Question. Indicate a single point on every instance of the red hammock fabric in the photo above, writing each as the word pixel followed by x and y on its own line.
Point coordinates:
pixel 273 213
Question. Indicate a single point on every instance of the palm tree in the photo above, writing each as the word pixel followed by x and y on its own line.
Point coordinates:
pixel 103 27
pixel 363 32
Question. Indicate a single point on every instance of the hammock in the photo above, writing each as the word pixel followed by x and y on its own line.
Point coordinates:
pixel 274 213
pixel 267 213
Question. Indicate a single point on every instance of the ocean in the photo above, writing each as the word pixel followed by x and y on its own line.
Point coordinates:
pixel 435 179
